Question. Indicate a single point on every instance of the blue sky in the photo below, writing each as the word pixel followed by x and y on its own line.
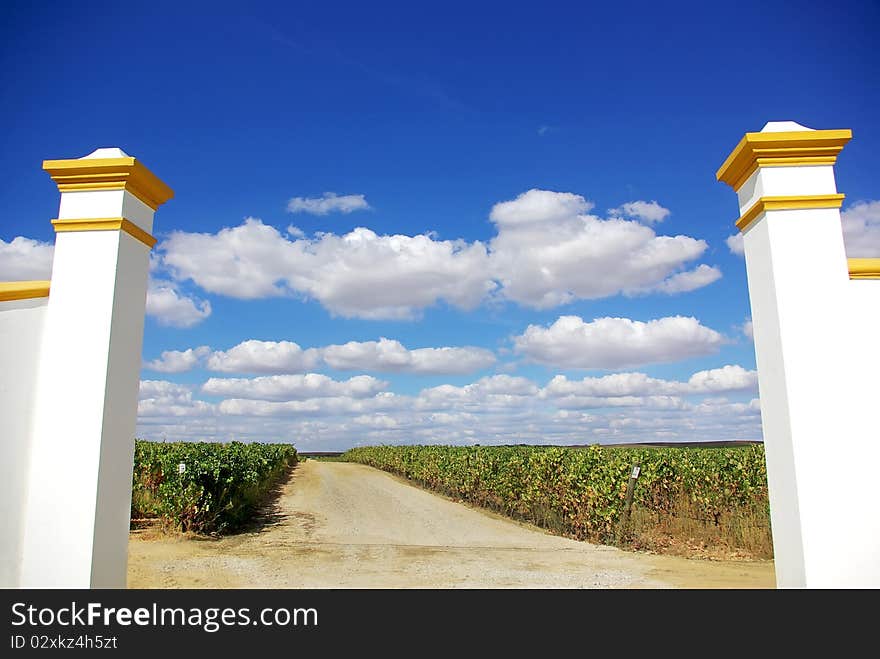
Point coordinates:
pixel 523 204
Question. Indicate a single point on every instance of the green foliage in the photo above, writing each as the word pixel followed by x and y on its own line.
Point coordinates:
pixel 581 492
pixel 222 484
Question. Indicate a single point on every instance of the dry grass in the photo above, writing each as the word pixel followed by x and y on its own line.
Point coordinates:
pixel 742 533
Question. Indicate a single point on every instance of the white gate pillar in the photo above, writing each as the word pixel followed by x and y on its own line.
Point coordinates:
pixel 815 331
pixel 79 485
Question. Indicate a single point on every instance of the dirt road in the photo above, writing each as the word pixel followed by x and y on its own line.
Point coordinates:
pixel 339 525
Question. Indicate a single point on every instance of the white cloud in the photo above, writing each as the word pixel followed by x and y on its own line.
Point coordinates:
pixel 384 355
pixel 728 378
pixel 294 387
pixel 502 385
pixel 643 402
pixel 721 406
pixel 548 252
pixel 616 384
pixel 345 406
pixel 682 282
pixel 365 275
pixel 245 262
pixel 160 398
pixel 537 207
pixel 164 390
pixel 172 308
pixel 329 202
pixel 861 229
pixel 376 421
pixel 391 356
pixel 492 392
pixel 610 343
pixel 647 211
pixel 492 410
pixel 24 259
pixel 255 356
pixel 258 408
pixel 359 274
pixel 178 361
pixel 748 330
pixel 735 244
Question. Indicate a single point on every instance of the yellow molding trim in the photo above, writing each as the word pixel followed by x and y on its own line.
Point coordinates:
pixel 806 161
pixel 105 224
pixel 802 202
pixel 864 268
pixel 23 290
pixel 109 174
pixel 787 149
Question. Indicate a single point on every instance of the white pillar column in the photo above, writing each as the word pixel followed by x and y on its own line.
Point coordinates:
pixel 813 372
pixel 79 487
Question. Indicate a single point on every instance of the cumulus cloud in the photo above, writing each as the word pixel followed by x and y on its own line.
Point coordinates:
pixel 861 229
pixel 492 392
pixel 162 389
pixel 611 343
pixel 24 259
pixel 728 378
pixel 172 308
pixel 501 409
pixel 245 262
pixel 642 402
pixel 539 207
pixel 682 282
pixel 747 329
pixel 616 384
pixel 647 211
pixel 322 406
pixel 384 355
pixel 721 406
pixel 735 244
pixel 178 361
pixel 549 251
pixel 255 356
pixel 329 202
pixel 359 274
pixel 384 421
pixel 160 398
pixel 724 379
pixel 293 387
pixel 391 356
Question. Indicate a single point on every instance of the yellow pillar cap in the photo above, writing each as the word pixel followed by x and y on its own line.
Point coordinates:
pixel 109 169
pixel 781 148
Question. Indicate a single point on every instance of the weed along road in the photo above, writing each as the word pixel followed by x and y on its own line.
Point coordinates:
pixel 342 525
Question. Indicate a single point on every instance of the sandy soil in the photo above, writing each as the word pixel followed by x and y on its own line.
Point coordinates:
pixel 339 525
